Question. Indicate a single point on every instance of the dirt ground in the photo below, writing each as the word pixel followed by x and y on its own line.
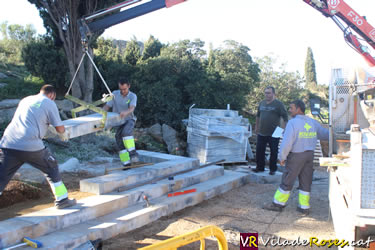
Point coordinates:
pixel 237 211
pixel 21 198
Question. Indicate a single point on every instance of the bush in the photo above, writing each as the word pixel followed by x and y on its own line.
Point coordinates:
pixel 48 62
pixel 19 88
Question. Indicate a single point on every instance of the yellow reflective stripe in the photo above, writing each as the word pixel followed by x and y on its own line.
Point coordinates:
pixel 129 143
pixel 307 135
pixel 281 196
pixel 304 199
pixel 60 191
pixel 124 156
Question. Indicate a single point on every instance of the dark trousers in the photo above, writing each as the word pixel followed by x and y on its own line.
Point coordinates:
pixel 12 160
pixel 262 142
pixel 298 165
pixel 122 131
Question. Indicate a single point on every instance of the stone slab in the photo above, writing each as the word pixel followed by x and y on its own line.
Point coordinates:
pixel 128 219
pixel 108 183
pixel 49 220
pixel 89 124
pixel 8 227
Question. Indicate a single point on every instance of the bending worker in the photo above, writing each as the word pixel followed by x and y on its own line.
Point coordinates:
pixel 124 103
pixel 22 142
pixel 297 154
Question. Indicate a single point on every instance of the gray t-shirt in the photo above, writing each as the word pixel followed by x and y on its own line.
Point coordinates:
pixel 269 116
pixel 30 123
pixel 301 134
pixel 121 103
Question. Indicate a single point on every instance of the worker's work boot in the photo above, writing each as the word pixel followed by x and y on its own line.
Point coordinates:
pixel 134 156
pixel 303 212
pixel 273 207
pixel 65 203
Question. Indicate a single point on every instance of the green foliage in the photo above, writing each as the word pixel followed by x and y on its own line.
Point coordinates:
pixel 234 73
pixel 288 85
pixel 310 72
pixel 21 86
pixel 132 52
pixel 107 50
pixel 152 48
pixel 14 38
pixel 159 97
pixel 95 145
pixel 43 59
pixel 110 63
pixel 146 142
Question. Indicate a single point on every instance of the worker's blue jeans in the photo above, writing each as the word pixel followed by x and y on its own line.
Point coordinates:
pixel 262 142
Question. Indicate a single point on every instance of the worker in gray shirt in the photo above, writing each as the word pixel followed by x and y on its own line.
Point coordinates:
pixel 270 110
pixel 22 142
pixel 124 103
pixel 297 154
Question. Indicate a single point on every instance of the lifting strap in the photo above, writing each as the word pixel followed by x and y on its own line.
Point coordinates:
pixel 84 105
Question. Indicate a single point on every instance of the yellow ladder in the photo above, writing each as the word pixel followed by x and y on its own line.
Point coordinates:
pixel 185 239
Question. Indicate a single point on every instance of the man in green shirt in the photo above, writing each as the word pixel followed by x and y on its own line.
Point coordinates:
pixel 270 110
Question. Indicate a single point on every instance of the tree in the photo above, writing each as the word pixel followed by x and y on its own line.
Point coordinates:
pixel 60 20
pixel 14 38
pixel 132 52
pixel 152 48
pixel 108 58
pixel 107 49
pixel 310 72
pixel 234 73
pixel 288 85
pixel 43 59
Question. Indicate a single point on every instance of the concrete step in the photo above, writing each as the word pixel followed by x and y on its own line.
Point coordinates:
pixel 49 220
pixel 130 218
pixel 162 168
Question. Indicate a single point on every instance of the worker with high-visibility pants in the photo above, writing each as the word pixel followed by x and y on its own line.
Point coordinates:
pixel 124 103
pixel 22 142
pixel 297 154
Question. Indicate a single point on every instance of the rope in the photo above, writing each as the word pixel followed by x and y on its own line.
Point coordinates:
pixel 75 74
pixel 96 68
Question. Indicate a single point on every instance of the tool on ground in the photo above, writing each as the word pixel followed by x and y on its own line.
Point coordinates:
pixel 182 192
pixel 90 245
pixel 148 204
pixel 122 189
pixel 106 171
pixel 27 242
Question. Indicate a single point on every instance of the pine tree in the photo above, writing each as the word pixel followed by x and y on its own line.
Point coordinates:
pixel 310 72
pixel 132 52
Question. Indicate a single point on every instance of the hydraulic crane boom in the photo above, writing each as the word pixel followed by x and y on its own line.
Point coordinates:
pixel 341 13
pixel 89 25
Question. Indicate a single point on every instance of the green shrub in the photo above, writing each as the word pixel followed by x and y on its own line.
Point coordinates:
pixel 19 88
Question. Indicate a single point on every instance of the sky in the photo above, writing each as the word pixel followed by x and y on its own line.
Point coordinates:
pixel 283 29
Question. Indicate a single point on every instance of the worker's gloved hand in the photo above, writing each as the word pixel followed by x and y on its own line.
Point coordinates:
pixel 51 132
pixel 64 136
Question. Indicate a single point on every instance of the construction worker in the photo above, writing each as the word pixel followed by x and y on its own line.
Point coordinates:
pixel 124 103
pixel 297 154
pixel 22 142
pixel 270 110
